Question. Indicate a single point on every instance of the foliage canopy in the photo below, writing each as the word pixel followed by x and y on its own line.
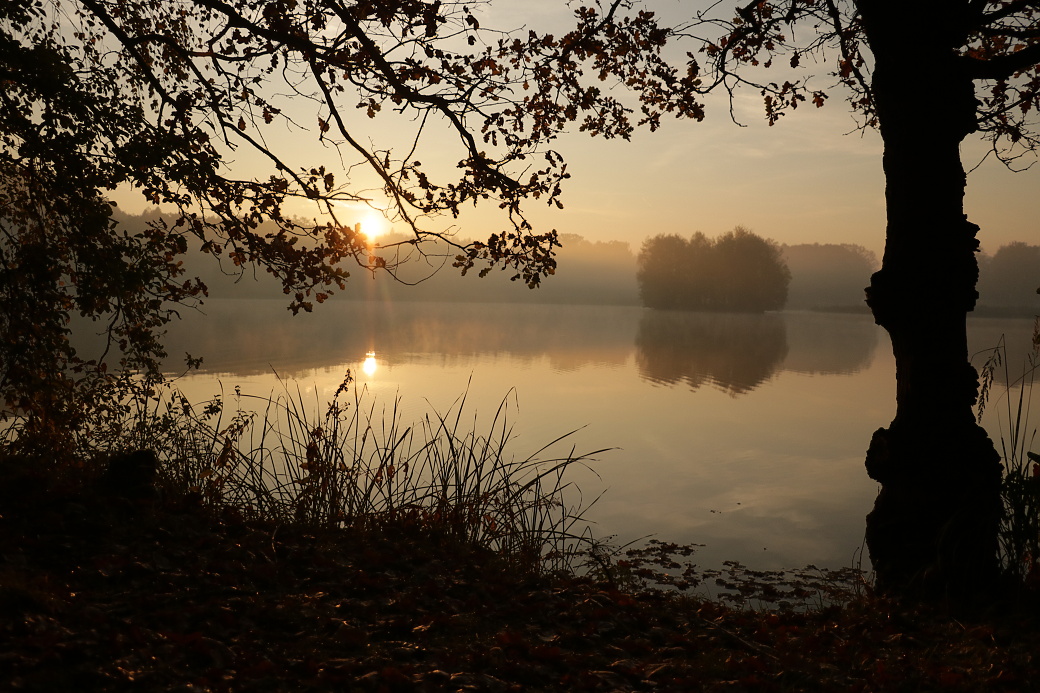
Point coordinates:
pixel 166 98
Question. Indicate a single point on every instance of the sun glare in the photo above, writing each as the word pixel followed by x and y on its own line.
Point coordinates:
pixel 370 366
pixel 374 226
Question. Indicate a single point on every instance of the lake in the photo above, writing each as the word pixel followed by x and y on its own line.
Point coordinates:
pixel 746 433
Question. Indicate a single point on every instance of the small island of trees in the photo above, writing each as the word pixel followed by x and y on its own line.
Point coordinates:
pixel 739 271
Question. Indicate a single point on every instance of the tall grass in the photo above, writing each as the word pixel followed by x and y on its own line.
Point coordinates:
pixel 355 463
pixel 1019 536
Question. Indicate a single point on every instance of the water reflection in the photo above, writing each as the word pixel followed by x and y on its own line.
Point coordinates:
pixel 370 366
pixel 737 352
pixel 830 343
pixel 734 352
pixel 249 337
pixel 1016 336
pixel 688 466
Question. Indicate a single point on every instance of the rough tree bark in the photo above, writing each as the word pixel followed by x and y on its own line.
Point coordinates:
pixel 933 529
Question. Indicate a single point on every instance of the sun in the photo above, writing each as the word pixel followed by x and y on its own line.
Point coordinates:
pixel 373 226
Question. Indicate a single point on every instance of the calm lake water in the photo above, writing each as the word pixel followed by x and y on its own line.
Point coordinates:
pixel 743 433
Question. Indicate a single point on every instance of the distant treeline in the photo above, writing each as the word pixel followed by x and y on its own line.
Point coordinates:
pixel 823 276
pixel 1009 279
pixel 588 273
pixel 828 276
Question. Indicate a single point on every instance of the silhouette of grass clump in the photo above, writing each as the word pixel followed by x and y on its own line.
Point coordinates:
pixel 358 466
pixel 1019 538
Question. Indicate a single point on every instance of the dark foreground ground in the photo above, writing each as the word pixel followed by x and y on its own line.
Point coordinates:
pixel 115 595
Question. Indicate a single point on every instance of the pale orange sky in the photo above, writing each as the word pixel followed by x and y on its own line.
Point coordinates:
pixel 802 181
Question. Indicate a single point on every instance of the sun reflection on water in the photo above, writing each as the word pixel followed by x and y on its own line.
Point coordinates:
pixel 369 367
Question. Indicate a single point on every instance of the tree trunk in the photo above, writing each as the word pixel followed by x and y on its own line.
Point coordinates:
pixel 933 530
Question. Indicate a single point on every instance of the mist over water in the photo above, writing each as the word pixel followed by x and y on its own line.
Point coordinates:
pixel 746 433
pixel 730 350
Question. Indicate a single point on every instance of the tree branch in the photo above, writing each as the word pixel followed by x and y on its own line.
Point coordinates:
pixel 1003 66
pixel 131 46
pixel 1007 10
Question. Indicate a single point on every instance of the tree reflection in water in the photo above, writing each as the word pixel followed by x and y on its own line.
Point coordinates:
pixel 830 343
pixel 735 352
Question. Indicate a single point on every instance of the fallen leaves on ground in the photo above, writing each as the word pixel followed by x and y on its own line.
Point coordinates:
pixel 101 594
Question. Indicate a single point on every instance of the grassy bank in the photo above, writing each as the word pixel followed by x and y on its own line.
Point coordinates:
pixel 349 552
pixel 348 463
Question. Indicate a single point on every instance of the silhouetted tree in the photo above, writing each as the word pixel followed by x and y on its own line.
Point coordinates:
pixel 738 271
pixel 926 73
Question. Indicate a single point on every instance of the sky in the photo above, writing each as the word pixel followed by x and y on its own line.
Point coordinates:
pixel 812 178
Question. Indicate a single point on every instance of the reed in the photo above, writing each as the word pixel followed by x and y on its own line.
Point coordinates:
pixel 1019 534
pixel 355 463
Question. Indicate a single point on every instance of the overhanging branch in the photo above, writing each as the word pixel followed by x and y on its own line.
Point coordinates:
pixel 1003 66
